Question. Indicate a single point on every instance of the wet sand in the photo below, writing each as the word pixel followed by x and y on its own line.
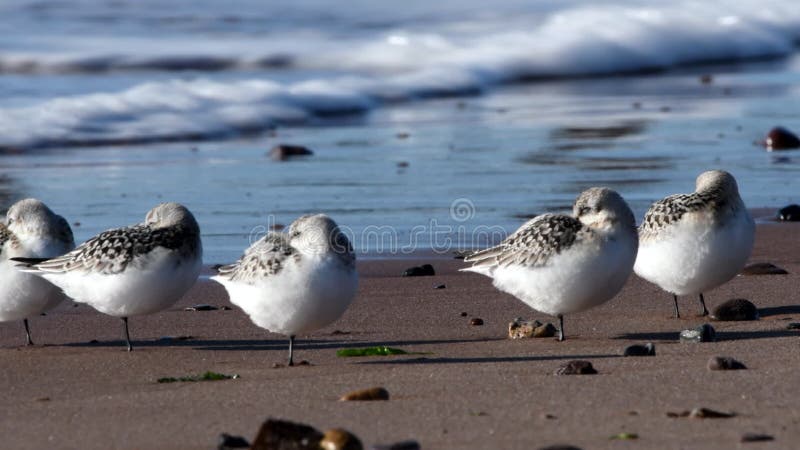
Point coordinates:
pixel 471 388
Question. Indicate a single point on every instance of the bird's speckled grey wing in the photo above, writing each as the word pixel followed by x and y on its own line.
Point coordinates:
pixel 5 236
pixel 535 243
pixel 670 210
pixel 266 257
pixel 112 251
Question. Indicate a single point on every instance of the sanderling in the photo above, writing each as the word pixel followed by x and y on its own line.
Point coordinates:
pixel 31 230
pixel 691 243
pixel 131 271
pixel 294 282
pixel 560 264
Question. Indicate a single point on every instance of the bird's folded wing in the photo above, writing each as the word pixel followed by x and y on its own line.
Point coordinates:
pixel 109 252
pixel 265 258
pixel 534 243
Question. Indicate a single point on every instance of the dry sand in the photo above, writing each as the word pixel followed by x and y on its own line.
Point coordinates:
pixel 473 388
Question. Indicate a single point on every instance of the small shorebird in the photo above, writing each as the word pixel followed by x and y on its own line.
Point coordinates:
pixel 31 230
pixel 690 243
pixel 560 264
pixel 130 271
pixel 294 282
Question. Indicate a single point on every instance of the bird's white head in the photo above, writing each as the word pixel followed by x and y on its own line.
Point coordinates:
pixel 32 218
pixel 318 233
pixel 603 209
pixel 171 214
pixel 718 180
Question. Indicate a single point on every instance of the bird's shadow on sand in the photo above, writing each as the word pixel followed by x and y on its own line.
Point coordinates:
pixel 779 310
pixel 674 336
pixel 479 360
pixel 272 344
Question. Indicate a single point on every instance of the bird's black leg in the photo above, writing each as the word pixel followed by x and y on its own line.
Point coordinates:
pixel 703 304
pixel 677 312
pixel 560 327
pixel 291 345
pixel 27 331
pixel 127 335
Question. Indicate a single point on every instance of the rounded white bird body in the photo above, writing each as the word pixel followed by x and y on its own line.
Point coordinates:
pixel 691 243
pixel 295 282
pixel 132 271
pixel 31 230
pixel 560 264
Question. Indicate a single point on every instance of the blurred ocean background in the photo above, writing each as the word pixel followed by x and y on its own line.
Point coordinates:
pixel 422 115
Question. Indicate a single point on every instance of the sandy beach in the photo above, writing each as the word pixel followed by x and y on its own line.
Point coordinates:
pixel 468 387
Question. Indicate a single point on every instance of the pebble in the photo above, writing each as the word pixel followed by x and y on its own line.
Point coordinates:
pixel 426 270
pixel 339 439
pixel 779 138
pixel 545 331
pixel 375 393
pixel 640 350
pixel 520 328
pixel 441 286
pixel 705 413
pixel 576 367
pixel 476 321
pixel 736 309
pixel 790 213
pixel 724 363
pixel 403 445
pixel 282 434
pixel 703 333
pixel 227 441
pixel 200 308
pixel 756 437
pixel 764 268
pixel 402 164
pixel 793 326
pixel 464 314
pixel 283 152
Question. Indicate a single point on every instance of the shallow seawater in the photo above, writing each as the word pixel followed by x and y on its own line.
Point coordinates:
pixel 477 166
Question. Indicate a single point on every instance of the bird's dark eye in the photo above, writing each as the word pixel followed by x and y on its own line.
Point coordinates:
pixel 584 210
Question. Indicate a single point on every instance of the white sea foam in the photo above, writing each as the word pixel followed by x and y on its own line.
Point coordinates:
pixel 328 71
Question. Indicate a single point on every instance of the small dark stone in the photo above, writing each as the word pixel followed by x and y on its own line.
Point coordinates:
pixel 756 437
pixel 790 213
pixel 703 333
pixel 282 152
pixel 403 135
pixel 724 363
pixel 560 447
pixel 402 164
pixel 202 307
pixel 403 445
pixel 376 393
pixel 339 439
pixel 284 435
pixel 226 442
pixel 793 326
pixel 736 309
pixel 426 270
pixel 476 321
pixel 576 367
pixel 706 78
pixel 76 224
pixel 780 138
pixel 441 286
pixel 764 268
pixel 640 350
pixel 705 413
pixel 464 314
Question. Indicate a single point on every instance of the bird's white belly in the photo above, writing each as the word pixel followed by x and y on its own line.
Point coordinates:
pixel 572 281
pixel 300 299
pixel 135 291
pixel 24 295
pixel 694 257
